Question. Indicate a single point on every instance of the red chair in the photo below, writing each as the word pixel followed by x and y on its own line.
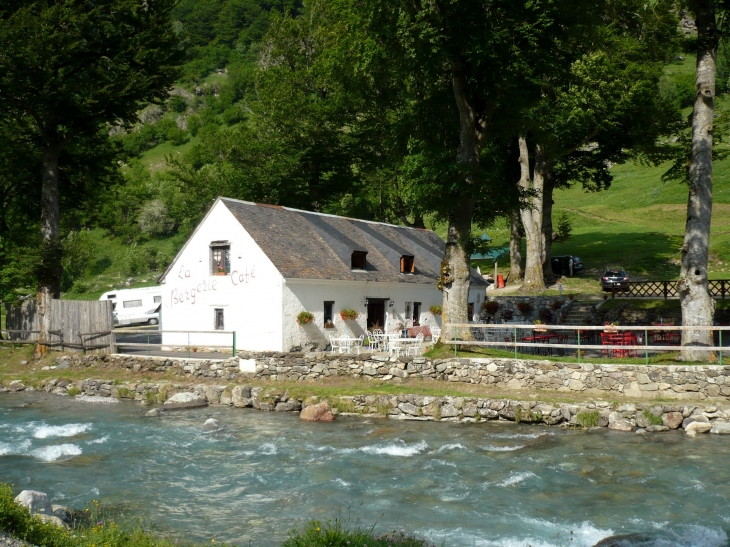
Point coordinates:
pixel 606 341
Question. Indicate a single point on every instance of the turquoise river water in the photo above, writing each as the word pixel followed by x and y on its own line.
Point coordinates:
pixel 487 484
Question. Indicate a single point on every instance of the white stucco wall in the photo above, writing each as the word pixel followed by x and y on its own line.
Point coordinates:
pixel 250 295
pixel 310 295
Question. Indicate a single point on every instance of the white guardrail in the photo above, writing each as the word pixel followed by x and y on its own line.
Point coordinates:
pixel 615 341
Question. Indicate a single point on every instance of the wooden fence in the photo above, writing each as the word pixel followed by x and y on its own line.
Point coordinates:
pixel 719 288
pixel 75 325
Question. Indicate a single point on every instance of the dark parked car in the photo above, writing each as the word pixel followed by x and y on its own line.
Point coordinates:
pixel 610 277
pixel 561 264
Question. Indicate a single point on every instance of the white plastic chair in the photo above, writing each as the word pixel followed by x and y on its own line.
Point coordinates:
pixel 435 334
pixel 333 344
pixel 416 347
pixel 395 345
pixel 379 340
pixel 357 344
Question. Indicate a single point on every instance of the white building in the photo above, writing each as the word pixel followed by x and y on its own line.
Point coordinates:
pixel 252 268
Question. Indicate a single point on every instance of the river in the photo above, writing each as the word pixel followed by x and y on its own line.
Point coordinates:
pixel 262 474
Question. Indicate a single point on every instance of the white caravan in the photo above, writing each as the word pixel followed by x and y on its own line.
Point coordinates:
pixel 132 306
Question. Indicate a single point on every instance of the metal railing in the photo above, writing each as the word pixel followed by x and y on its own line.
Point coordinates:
pixel 647 339
pixel 191 346
pixel 718 288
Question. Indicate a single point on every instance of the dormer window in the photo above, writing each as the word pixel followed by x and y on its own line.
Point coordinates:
pixel 358 260
pixel 407 264
pixel 220 258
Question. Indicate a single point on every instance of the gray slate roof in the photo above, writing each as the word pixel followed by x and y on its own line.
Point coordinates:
pixel 305 245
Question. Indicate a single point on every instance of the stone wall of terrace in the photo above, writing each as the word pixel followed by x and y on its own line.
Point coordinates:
pixel 600 380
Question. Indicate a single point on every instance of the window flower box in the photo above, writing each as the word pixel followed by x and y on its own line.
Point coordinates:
pixel 348 314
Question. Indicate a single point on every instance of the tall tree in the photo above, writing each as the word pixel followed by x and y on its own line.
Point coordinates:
pixel 698 307
pixel 603 109
pixel 473 58
pixel 71 67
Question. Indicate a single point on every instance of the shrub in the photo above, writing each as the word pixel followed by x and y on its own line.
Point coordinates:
pixel 524 307
pixel 348 314
pixel 653 418
pixel 16 520
pixel 587 419
pixel 304 318
pixel 564 227
pixel 73 391
pixel 334 534
pixel 154 218
pixel 436 309
pixel 176 103
pixel 507 314
pixel 78 251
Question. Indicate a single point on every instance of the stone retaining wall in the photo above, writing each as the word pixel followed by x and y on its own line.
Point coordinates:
pixel 537 304
pixel 604 380
pixel 642 417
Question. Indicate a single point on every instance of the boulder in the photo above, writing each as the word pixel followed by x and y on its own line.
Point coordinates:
pixel 618 422
pixel 16 385
pixel 720 428
pixel 62 512
pixel 153 413
pixel 656 428
pixel 672 419
pixel 695 418
pixel 624 540
pixel 211 424
pixel 36 502
pixel 697 427
pixel 320 412
pixel 184 400
pixel 51 519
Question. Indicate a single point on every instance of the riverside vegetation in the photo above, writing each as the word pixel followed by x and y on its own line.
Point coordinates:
pixel 101 526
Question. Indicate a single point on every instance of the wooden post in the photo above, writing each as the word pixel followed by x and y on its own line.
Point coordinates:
pixel 665 283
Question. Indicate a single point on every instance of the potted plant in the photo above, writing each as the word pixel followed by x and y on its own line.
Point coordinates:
pixel 610 326
pixel 507 314
pixel 557 304
pixel 329 325
pixel 491 307
pixel 539 322
pixel 525 308
pixel 304 318
pixel 436 309
pixel 220 270
pixel 545 315
pixel 348 314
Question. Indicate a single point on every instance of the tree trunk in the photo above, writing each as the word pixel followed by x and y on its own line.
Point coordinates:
pixel 455 268
pixel 50 269
pixel 547 228
pixel 515 248
pixel 697 306
pixel 532 216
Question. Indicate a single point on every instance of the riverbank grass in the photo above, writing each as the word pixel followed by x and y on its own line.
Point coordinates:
pixel 336 534
pixel 96 529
